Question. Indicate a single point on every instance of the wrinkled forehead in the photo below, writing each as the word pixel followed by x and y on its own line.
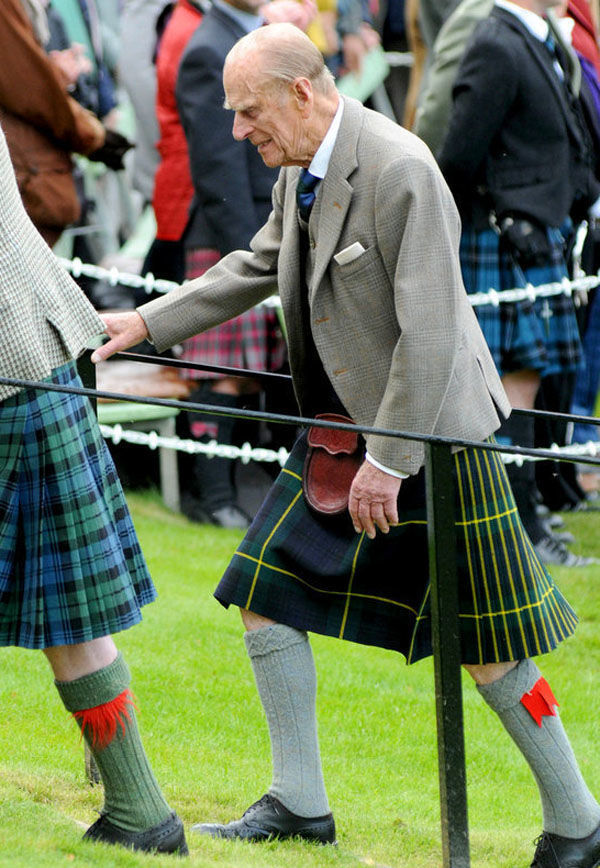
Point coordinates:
pixel 247 86
pixel 241 81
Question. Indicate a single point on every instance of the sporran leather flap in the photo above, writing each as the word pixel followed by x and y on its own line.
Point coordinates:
pixel 331 463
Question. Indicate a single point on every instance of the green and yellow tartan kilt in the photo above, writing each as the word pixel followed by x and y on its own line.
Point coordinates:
pixel 316 573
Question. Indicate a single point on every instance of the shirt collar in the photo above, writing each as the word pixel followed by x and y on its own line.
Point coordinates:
pixel 246 20
pixel 536 25
pixel 320 161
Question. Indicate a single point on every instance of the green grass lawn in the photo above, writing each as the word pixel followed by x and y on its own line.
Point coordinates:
pixel 205 733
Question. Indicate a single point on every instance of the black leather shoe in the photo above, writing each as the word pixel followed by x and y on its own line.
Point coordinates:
pixel 166 837
pixel 268 818
pixel 554 851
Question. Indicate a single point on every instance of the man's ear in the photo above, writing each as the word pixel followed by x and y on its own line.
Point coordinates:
pixel 303 94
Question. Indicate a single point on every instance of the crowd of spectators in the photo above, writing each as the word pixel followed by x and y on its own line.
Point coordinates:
pixel 90 88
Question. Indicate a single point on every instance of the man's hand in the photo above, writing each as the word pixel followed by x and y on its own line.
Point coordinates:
pixel 124 330
pixel 373 500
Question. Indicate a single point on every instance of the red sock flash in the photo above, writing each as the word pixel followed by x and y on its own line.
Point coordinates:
pixel 100 723
pixel 540 701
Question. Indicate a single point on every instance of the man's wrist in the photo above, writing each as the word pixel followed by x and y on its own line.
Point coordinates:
pixel 397 473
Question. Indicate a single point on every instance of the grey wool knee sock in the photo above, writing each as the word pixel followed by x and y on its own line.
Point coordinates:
pixel 287 685
pixel 569 809
pixel 103 707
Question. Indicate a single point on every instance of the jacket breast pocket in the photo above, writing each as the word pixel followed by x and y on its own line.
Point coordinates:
pixel 368 264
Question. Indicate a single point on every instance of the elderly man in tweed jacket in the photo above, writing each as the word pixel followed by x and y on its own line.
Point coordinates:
pixel 71 569
pixel 380 329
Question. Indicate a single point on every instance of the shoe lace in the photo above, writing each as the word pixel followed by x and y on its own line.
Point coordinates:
pixel 543 845
pixel 264 800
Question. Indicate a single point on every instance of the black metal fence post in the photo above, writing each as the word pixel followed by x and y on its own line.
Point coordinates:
pixel 446 651
pixel 87 371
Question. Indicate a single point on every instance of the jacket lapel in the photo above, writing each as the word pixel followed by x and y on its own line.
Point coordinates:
pixel 334 198
pixel 539 51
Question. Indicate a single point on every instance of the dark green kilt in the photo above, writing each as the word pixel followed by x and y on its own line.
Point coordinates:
pixel 316 573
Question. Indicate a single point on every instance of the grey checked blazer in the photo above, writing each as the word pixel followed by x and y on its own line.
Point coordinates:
pixel 45 319
pixel 394 328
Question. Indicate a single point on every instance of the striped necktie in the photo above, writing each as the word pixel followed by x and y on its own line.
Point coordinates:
pixel 305 193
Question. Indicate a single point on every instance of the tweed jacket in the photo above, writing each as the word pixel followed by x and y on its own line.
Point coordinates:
pixel 45 319
pixel 394 328
pixel 516 142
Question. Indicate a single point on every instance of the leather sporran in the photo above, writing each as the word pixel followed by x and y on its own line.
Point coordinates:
pixel 331 463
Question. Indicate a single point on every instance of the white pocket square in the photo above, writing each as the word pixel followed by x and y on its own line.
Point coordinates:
pixel 348 254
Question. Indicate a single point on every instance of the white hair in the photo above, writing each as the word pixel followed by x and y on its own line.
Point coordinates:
pixel 285 54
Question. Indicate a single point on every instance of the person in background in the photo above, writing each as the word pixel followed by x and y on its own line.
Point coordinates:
pixel 434 105
pixel 44 125
pixel 232 199
pixel 522 171
pixel 71 569
pixel 137 73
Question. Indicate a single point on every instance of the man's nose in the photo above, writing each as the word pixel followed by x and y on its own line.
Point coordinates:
pixel 241 128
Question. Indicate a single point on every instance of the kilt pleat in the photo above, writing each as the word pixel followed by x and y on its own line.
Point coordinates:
pixel 541 335
pixel 316 573
pixel 71 568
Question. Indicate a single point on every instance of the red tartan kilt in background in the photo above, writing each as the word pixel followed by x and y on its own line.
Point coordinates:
pixel 253 340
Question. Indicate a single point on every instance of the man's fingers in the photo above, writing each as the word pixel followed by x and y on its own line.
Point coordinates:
pixel 124 330
pixel 391 510
pixel 379 517
pixel 106 350
pixel 365 518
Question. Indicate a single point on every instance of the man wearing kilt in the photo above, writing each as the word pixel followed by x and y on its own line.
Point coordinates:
pixel 519 157
pixel 382 331
pixel 71 569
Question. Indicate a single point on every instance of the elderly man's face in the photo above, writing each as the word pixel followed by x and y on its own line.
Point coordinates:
pixel 269 116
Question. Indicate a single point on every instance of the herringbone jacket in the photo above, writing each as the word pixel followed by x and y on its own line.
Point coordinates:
pixel 45 319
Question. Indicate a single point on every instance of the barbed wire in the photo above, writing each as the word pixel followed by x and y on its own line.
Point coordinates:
pixel 490 445
pixel 567 286
pixel 213 449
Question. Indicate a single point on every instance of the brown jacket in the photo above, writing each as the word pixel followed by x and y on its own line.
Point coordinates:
pixel 42 124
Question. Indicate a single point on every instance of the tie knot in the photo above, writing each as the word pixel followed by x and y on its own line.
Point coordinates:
pixel 305 193
pixel 307 182
pixel 550 44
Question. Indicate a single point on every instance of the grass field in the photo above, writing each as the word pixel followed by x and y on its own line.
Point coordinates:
pixel 206 736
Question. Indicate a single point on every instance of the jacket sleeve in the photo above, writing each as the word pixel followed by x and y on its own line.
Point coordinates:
pixel 31 89
pixel 483 93
pixel 218 163
pixel 238 282
pixel 435 105
pixel 429 301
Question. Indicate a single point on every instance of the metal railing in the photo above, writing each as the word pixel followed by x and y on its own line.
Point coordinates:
pixel 439 478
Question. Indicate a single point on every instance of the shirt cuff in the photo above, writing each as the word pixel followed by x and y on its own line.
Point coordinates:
pixel 594 211
pixel 397 473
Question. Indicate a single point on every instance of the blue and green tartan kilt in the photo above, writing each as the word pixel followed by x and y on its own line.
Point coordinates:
pixel 71 568
pixel 541 335
pixel 316 573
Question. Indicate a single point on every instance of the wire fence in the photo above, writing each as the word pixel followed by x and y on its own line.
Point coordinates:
pixel 150 284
